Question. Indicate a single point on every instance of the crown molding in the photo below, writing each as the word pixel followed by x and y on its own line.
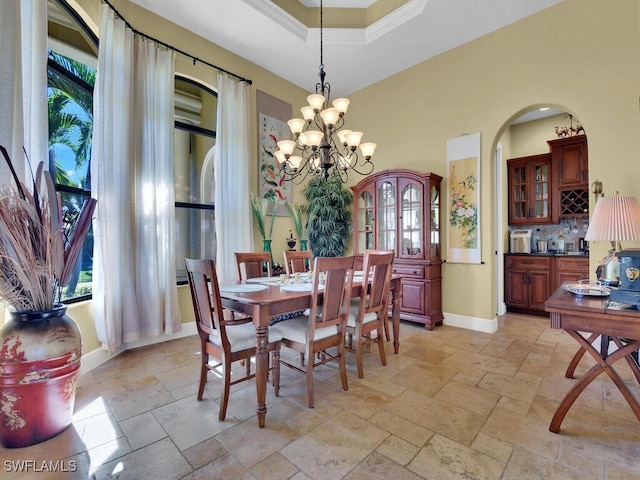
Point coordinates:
pixel 346 36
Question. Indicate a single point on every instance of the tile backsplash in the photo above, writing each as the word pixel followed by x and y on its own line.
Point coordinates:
pixel 571 231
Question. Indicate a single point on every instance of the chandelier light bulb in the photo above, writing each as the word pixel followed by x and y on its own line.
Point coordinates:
pixel 316 101
pixel 308 113
pixel 341 104
pixel 314 137
pixel 330 116
pixel 286 146
pixel 344 163
pixel 342 136
pixel 280 156
pixel 304 139
pixel 296 125
pixel 353 139
pixel 295 162
pixel 367 149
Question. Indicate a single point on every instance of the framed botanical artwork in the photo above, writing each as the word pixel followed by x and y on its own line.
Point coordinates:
pixel 272 127
pixel 463 233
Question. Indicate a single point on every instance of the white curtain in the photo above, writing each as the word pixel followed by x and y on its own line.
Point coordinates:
pixel 23 84
pixel 234 224
pixel 134 290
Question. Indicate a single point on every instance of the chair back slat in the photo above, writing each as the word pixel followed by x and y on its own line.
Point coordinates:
pixel 205 295
pixel 378 266
pixel 297 261
pixel 338 279
pixel 254 264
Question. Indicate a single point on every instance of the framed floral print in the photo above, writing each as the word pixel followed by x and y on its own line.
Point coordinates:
pixel 272 127
pixel 463 233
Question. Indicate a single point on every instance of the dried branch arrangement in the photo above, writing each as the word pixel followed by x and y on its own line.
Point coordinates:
pixel 36 258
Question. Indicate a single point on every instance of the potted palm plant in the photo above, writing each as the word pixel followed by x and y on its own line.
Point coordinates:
pixel 40 345
pixel 329 216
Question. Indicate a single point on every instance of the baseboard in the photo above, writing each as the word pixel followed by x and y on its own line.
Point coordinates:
pixel 95 358
pixel 471 323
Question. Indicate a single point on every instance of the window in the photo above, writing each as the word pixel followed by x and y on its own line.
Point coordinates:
pixel 70 77
pixel 195 135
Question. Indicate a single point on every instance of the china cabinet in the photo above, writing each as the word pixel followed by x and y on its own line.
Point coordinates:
pixel 399 210
pixel 530 190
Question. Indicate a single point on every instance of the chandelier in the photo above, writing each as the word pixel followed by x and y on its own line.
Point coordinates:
pixel 322 145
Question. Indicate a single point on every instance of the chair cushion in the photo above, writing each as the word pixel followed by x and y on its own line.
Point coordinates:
pixel 354 308
pixel 243 336
pixel 297 329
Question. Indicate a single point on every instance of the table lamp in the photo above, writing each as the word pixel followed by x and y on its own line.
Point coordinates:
pixel 616 219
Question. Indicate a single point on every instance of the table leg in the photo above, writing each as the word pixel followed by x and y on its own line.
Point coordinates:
pixel 396 301
pixel 262 371
pixel 578 356
pixel 603 365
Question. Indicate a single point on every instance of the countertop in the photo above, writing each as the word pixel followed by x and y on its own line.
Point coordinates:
pixel 549 254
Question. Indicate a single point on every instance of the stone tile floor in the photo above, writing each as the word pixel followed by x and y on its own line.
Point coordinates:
pixel 454 404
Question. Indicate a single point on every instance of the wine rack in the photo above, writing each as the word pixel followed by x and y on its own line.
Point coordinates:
pixel 574 203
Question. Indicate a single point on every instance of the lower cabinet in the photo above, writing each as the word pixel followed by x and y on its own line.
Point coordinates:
pixel 529 280
pixel 572 269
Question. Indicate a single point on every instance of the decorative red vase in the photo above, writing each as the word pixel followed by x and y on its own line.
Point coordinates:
pixel 39 364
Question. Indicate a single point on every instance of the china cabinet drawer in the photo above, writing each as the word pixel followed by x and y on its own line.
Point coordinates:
pixel 409 271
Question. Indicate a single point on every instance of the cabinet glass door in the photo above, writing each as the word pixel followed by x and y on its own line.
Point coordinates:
pixel 365 222
pixel 519 186
pixel 411 202
pixel 435 222
pixel 541 191
pixel 386 216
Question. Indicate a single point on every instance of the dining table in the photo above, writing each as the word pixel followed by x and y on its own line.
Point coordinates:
pixel 267 297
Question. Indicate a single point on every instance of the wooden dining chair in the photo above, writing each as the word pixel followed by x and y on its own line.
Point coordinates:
pixel 297 261
pixel 368 313
pixel 325 325
pixel 225 339
pixel 253 264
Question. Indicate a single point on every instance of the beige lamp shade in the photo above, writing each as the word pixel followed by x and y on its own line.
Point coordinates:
pixel 615 219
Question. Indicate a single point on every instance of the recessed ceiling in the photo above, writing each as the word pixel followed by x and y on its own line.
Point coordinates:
pixel 266 33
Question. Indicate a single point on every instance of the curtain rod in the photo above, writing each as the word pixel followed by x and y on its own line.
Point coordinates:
pixel 171 47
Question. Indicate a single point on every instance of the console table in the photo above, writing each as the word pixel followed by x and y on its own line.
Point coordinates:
pixel 587 318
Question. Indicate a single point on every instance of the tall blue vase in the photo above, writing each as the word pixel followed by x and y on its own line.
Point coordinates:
pixel 266 247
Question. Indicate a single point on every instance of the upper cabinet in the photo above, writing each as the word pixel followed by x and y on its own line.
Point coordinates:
pixel 399 210
pixel 571 161
pixel 550 186
pixel 571 168
pixel 530 190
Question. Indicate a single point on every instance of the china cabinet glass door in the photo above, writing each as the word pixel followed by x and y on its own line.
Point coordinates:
pixel 365 222
pixel 411 203
pixel 435 222
pixel 386 216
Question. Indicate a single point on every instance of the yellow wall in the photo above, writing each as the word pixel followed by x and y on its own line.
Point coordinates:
pixel 581 56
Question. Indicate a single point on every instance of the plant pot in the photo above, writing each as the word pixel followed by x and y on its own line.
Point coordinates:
pixel 39 364
pixel 266 247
